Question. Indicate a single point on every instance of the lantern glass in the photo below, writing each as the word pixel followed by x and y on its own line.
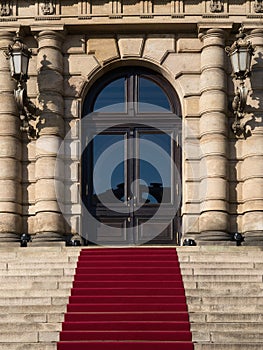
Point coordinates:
pixel 17 62
pixel 235 61
pixel 24 63
pixel 243 59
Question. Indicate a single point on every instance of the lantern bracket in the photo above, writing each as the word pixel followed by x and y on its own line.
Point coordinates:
pixel 240 54
pixel 19 55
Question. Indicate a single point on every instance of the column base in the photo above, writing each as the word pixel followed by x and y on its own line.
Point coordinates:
pixel 253 238
pixel 47 239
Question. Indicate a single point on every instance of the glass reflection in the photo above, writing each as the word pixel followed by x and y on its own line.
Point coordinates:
pixel 109 168
pixel 111 98
pixel 154 168
pixel 151 93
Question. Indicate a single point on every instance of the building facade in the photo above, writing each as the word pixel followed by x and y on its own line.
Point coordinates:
pixel 134 141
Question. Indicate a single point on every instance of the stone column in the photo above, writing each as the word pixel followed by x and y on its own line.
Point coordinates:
pixel 213 223
pixel 49 224
pixel 252 153
pixel 10 151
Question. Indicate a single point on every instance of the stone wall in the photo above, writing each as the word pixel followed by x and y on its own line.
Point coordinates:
pixel 76 42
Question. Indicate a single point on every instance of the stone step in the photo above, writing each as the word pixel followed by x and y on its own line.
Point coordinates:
pixel 32 309
pixel 227 285
pixel 32 285
pixel 223 258
pixel 36 278
pixel 228 327
pixel 227 292
pixel 223 307
pixel 37 293
pixel 28 346
pixel 34 272
pixel 32 301
pixel 229 300
pixel 236 336
pixel 223 278
pixel 47 317
pixel 32 327
pixel 235 316
pixel 216 265
pixel 227 346
pixel 29 336
pixel 220 271
pixel 38 265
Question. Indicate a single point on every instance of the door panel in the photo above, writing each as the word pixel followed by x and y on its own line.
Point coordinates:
pixel 155 231
pixel 130 194
pixel 154 170
pixel 109 167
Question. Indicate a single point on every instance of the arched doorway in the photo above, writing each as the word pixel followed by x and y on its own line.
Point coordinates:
pixel 131 163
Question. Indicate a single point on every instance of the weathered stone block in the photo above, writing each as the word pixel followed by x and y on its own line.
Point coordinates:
pixel 74 44
pixel 47 146
pixel 10 191
pixel 49 222
pixel 10 169
pixel 158 46
pixel 84 64
pixel 130 46
pixel 213 221
pixel 189 45
pixel 10 222
pixel 104 49
pixel 214 122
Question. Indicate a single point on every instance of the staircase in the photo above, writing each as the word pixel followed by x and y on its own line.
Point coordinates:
pixel 35 283
pixel 127 298
pixel 224 289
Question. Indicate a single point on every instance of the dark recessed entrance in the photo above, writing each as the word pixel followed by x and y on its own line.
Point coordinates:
pixel 131 163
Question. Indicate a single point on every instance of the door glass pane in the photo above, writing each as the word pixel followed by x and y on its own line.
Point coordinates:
pixel 109 168
pixel 112 98
pixel 151 97
pixel 154 168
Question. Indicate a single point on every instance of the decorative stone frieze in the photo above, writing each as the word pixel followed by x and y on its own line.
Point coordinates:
pixel 47 8
pixel 216 6
pixel 5 8
pixel 258 6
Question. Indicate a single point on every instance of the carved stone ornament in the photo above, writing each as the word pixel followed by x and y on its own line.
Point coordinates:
pixel 216 5
pixel 48 8
pixel 258 6
pixel 5 8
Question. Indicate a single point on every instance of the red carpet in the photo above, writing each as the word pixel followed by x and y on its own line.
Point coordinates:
pixel 127 299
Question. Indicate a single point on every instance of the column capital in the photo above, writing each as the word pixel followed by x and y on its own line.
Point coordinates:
pixel 256 36
pixel 213 37
pixel 6 38
pixel 51 38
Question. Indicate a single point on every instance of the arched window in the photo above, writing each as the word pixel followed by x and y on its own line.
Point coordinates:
pixel 132 159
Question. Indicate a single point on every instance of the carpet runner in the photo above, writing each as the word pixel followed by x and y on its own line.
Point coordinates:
pixel 127 299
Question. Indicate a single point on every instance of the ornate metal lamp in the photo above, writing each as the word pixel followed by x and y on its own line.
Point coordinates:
pixel 240 54
pixel 19 55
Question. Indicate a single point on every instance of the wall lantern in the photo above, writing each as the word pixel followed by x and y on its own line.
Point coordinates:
pixel 240 54
pixel 19 55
